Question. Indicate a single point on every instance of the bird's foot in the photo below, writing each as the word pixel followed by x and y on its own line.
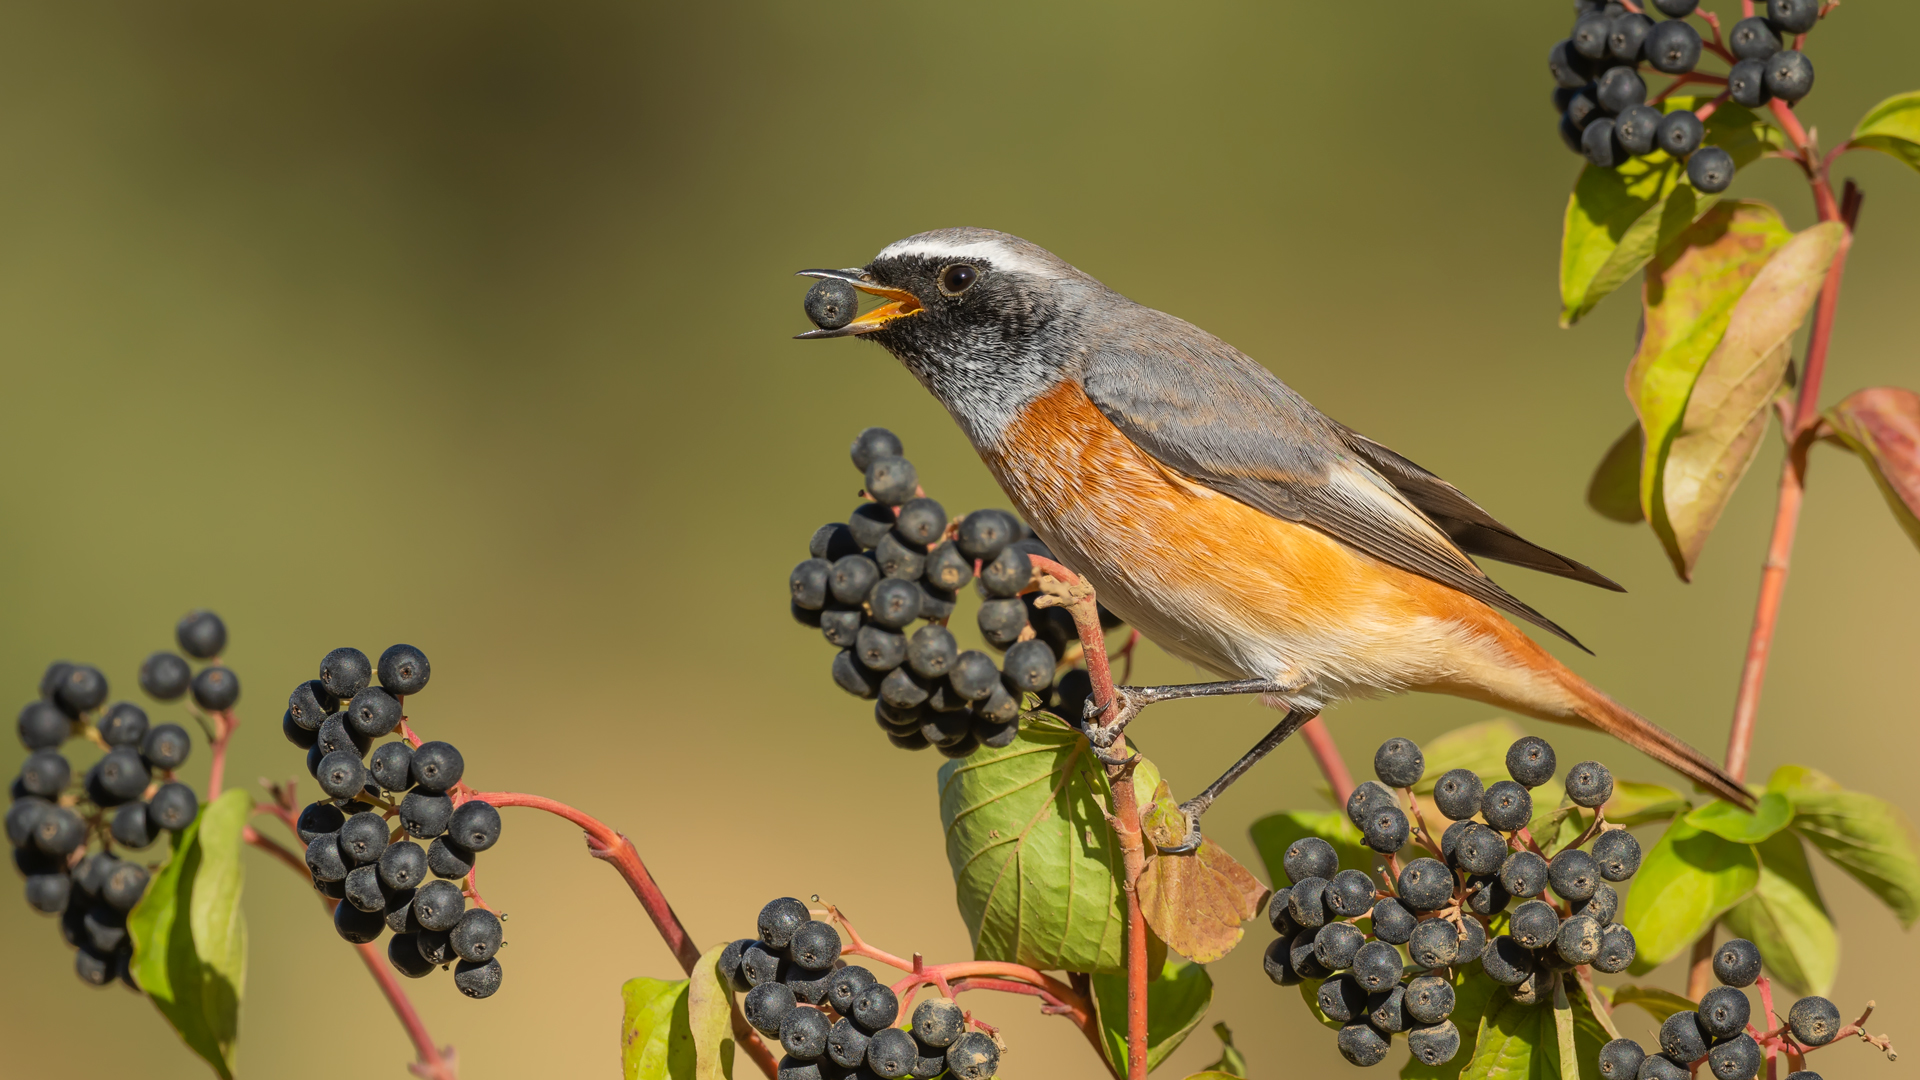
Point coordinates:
pixel 1190 811
pixel 1104 723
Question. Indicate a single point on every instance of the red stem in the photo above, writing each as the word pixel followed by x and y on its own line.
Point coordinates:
pixel 615 849
pixel 1327 756
pixel 225 721
pixel 436 1063
pixel 1793 473
pixel 1126 812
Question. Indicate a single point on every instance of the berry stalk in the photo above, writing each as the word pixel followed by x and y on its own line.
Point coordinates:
pixel 1125 821
pixel 616 850
pixel 436 1063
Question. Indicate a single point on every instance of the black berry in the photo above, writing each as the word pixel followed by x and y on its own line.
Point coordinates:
pixel 404 670
pixel 1029 665
pixel 1636 128
pixel 973 1056
pixel 173 807
pixel 477 980
pixel 1738 1058
pixel 123 724
pixel 1524 874
pixel 891 480
pixel 1480 850
pixel 1603 905
pixel 1361 1045
pixel 1506 961
pixel 165 676
pixel 216 688
pixel 780 918
pixel 1679 133
pixel 1386 829
pixel 438 905
pixel 1736 962
pixel 1793 16
pixel 1568 68
pixel 1747 83
pixel 1599 145
pixel 1814 1020
pixel 1350 894
pixel 342 774
pixel 1392 922
pixel 1752 39
pixel 1366 796
pixel 878 649
pixel 437 766
pixel 832 541
pixel 1458 794
pixel 1681 1038
pixel 1008 574
pixel 201 634
pixel 846 984
pixel 874 443
pixel 1306 903
pixel 985 533
pixel 1627 35
pixel 1620 1060
pixel 891 1053
pixel 123 774
pixel 424 814
pixel 1434 1044
pixel 974 675
pixel 475 825
pixel 345 672
pixel 363 839
pixel 846 1043
pixel 392 766
pixel 1341 998
pixel 373 712
pixel 1789 75
pixel 403 865
pixel 937 1022
pixel 131 827
pixel 841 627
pixel 45 773
pixel 125 885
pixel 448 860
pixel 1486 896
pixel 1376 966
pixel 1578 940
pixel 1507 806
pixel 317 820
pixel 761 964
pixel 1530 759
pixel 1676 9
pixel 1573 874
pixel 1590 35
pixel 814 946
pixel 1336 945
pixel 1710 169
pixel 1617 89
pixel 869 524
pixel 900 559
pixel 1425 885
pixel 1434 944
pixel 1724 1012
pixel 476 937
pixel 364 892
pixel 1617 949
pixel 1429 999
pixel 1617 855
pixel 1398 763
pixel 893 603
pixel 947 568
pixel 436 946
pixel 1673 48
pixel 875 1007
pixel 403 952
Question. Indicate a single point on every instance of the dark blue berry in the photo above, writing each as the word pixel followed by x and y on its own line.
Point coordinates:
pixel 165 676
pixel 1736 962
pixel 201 634
pixel 215 689
pixel 436 766
pixel 873 443
pixel 345 672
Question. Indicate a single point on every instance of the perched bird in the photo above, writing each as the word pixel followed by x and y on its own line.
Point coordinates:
pixel 1213 508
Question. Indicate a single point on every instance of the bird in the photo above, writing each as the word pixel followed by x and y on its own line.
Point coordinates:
pixel 1217 511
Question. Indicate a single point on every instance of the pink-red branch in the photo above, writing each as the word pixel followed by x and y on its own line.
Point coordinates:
pixel 1125 821
pixel 224 722
pixel 613 848
pixel 435 1062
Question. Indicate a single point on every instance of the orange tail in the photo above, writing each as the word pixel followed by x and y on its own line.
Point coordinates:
pixel 1653 740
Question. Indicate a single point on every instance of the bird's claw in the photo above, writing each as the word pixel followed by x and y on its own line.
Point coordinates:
pixel 1191 842
pixel 1106 756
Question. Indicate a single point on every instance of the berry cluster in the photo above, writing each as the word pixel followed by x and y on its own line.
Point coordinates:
pixel 834 1021
pixel 378 872
pixel 126 799
pixel 898 560
pixel 1602 99
pixel 1718 1031
pixel 1438 907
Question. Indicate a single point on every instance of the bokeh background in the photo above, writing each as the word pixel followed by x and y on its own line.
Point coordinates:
pixel 467 325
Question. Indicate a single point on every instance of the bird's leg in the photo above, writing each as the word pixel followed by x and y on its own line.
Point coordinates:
pixel 1105 722
pixel 1199 804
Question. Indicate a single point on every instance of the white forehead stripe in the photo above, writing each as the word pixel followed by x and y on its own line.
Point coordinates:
pixel 1000 255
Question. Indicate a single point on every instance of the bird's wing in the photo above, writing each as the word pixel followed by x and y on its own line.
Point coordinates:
pixel 1472 529
pixel 1209 413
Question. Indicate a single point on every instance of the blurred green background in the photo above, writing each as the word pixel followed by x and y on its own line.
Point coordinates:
pixel 466 325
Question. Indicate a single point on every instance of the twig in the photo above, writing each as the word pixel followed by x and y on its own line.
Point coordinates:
pixel 435 1062
pixel 224 722
pixel 617 851
pixel 1327 756
pixel 1126 813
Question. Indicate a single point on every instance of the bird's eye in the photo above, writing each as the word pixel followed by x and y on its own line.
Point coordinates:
pixel 955 279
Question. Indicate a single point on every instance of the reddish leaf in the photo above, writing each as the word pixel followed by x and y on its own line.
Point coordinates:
pixel 1194 902
pixel 1882 425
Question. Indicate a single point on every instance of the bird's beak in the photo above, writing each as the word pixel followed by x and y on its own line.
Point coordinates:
pixel 901 303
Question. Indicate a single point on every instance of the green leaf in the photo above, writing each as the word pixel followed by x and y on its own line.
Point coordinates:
pixel 1787 920
pixel 190 936
pixel 655 1040
pixel 1635 803
pixel 1726 414
pixel 1688 880
pixel 1036 870
pixel 1557 826
pixel 678 1030
pixel 1273 834
pixel 1480 747
pixel 1232 1062
pixel 1563 1032
pixel 1614 491
pixel 1893 127
pixel 1618 218
pixel 1882 426
pixel 1661 1003
pixel 1867 837
pixel 1176 1000
pixel 1729 822
pixel 1512 1043
pixel 710 1018
pixel 1472 991
pixel 1691 289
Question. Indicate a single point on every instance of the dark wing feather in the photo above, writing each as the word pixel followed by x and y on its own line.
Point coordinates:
pixel 1474 530
pixel 1214 416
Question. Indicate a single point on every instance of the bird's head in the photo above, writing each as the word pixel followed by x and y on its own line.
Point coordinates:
pixel 984 319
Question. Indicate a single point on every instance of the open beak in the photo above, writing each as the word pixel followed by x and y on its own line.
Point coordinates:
pixel 900 303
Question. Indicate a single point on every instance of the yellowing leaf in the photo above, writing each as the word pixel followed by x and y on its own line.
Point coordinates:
pixel 1882 425
pixel 655 1043
pixel 1893 127
pixel 1726 413
pixel 1618 218
pixel 1614 491
pixel 1691 289
pixel 1194 902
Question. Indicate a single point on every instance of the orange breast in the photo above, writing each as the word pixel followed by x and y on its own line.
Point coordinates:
pixel 1211 579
